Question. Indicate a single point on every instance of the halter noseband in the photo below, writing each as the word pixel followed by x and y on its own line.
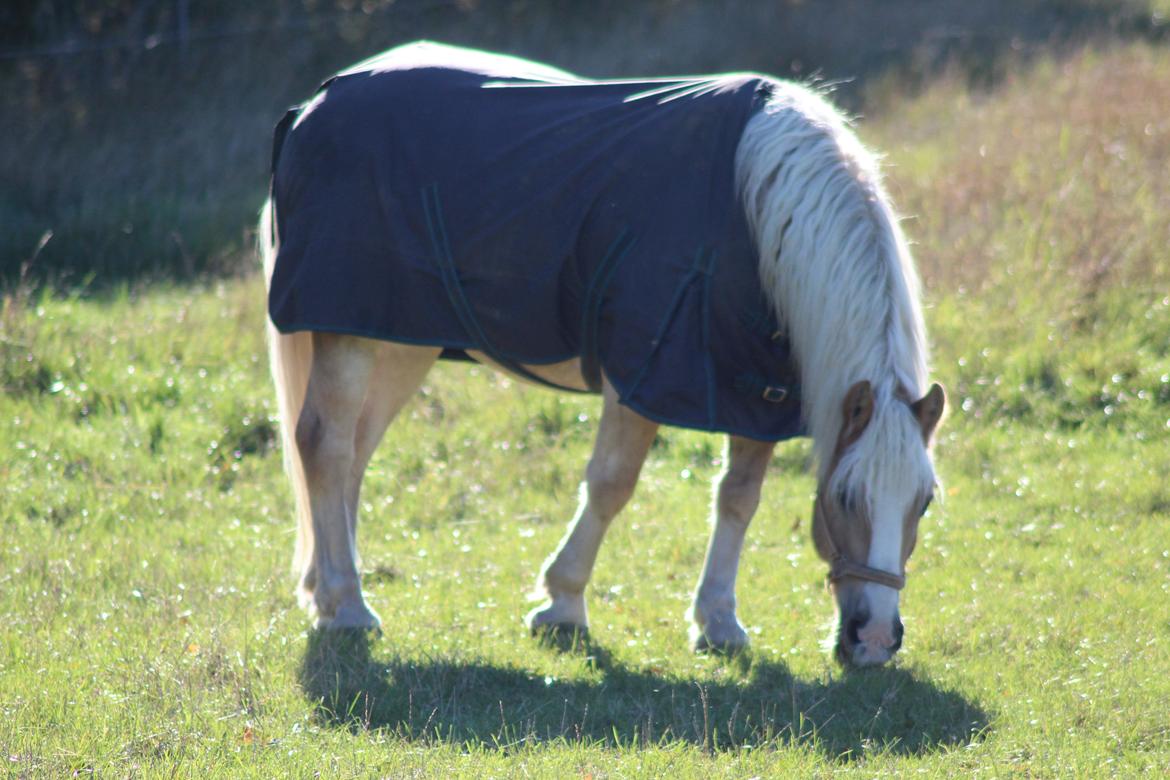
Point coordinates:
pixel 840 566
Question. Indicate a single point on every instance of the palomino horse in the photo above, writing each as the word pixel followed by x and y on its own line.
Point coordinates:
pixel 715 253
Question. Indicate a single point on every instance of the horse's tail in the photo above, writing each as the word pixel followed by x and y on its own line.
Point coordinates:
pixel 290 356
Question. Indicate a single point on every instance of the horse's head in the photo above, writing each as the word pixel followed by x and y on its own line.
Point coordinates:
pixel 865 522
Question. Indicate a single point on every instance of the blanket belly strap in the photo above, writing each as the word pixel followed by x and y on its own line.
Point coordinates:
pixel 590 319
pixel 442 252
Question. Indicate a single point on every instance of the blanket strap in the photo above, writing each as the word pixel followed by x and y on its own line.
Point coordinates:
pixel 591 310
pixel 442 251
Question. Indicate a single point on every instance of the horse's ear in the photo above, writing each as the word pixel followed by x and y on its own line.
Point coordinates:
pixel 928 410
pixel 857 411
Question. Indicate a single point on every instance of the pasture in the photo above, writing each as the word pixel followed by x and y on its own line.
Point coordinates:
pixel 150 627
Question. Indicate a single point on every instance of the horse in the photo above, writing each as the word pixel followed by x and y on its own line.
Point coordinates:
pixel 717 253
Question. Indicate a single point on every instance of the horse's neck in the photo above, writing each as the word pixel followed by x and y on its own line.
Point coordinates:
pixel 832 258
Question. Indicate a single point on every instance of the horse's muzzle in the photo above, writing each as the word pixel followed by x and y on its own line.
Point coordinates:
pixel 860 644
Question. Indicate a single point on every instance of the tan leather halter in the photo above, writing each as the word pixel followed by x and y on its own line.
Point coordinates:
pixel 840 566
pixel 857 411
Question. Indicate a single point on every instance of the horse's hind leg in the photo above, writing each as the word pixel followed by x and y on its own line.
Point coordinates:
pixel 329 444
pixel 399 370
pixel 714 624
pixel 623 439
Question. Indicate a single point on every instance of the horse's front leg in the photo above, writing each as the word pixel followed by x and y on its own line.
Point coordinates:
pixel 737 495
pixel 623 439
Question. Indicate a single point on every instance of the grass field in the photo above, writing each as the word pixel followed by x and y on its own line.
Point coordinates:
pixel 149 623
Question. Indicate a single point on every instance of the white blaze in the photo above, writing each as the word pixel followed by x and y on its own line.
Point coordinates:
pixel 885 553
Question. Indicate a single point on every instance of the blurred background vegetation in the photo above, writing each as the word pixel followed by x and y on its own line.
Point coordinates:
pixel 136 133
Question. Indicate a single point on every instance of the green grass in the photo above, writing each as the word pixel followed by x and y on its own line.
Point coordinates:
pixel 149 623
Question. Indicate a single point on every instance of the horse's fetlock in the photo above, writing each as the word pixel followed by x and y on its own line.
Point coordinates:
pixel 710 606
pixel 330 592
pixel 557 585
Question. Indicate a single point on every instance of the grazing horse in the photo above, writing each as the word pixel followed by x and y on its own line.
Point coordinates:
pixel 716 253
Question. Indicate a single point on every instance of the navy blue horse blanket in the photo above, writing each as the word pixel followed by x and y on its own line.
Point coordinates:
pixel 471 201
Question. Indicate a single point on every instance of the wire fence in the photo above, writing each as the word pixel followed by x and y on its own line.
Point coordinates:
pixel 183 34
pixel 177 28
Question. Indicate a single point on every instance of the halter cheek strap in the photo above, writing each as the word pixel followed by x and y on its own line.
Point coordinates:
pixel 840 566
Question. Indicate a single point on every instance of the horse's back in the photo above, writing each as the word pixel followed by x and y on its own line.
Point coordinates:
pixel 431 54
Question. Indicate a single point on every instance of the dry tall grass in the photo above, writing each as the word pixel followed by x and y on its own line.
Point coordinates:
pixel 1027 187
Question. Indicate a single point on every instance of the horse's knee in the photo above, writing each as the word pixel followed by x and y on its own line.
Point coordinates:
pixel 611 484
pixel 738 496
pixel 320 444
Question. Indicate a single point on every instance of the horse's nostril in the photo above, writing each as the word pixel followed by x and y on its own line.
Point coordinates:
pixel 852 627
pixel 899 632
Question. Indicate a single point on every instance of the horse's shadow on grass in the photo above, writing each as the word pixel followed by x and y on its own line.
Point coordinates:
pixel 758 704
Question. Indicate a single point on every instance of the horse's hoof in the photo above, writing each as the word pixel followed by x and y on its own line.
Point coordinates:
pixel 559 611
pixel 353 616
pixel 562 636
pixel 558 629
pixel 704 646
pixel 715 642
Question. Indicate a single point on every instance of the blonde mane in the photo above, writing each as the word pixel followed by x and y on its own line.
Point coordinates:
pixel 839 273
